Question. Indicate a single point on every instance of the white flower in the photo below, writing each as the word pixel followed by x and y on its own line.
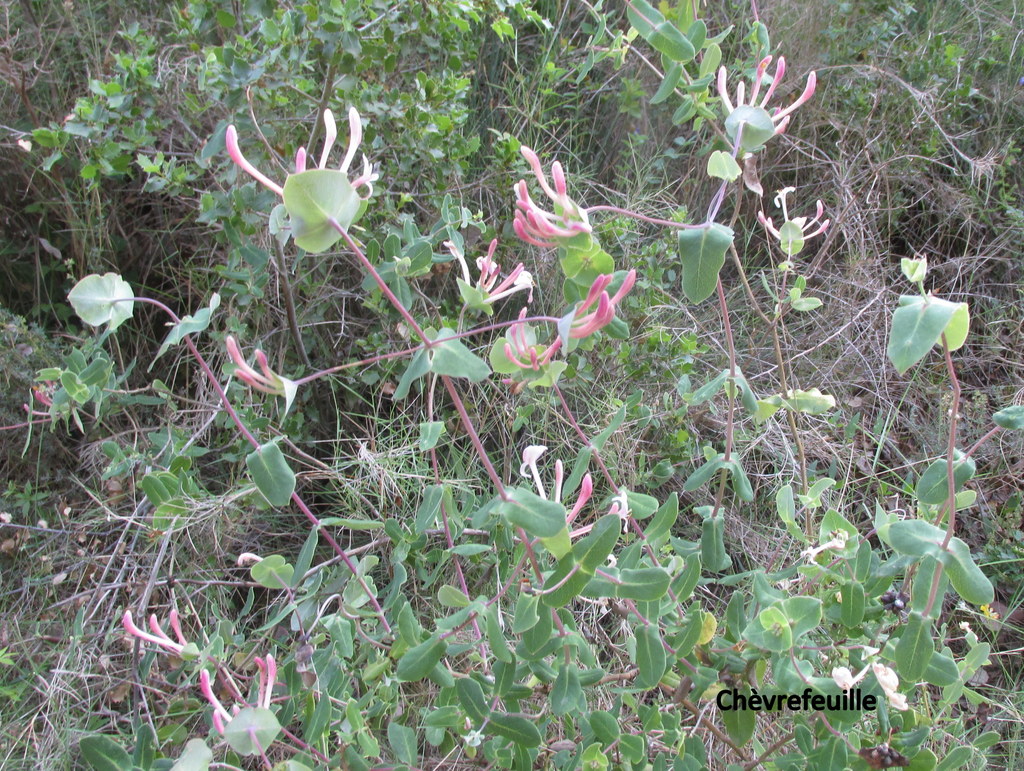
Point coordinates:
pixel 531 455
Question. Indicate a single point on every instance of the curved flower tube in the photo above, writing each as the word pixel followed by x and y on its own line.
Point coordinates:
pixel 159 636
pixel 266 381
pixel 355 137
pixel 586 325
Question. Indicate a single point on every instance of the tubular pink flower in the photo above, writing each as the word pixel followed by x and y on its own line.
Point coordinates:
pixel 221 717
pixel 586 490
pixel 592 322
pixel 513 357
pixel 267 381
pixel 559 478
pixel 159 637
pixel 534 161
pixel 723 91
pixel 268 676
pixel 300 160
pixel 627 284
pixel 549 354
pixel 231 140
pixel 812 82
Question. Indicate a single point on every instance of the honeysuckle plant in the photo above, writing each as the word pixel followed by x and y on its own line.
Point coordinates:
pixel 517 680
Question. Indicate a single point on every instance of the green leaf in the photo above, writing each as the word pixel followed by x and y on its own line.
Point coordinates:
pixel 103 753
pixel 673 73
pixel 403 741
pixel 315 197
pixel 1011 418
pixel 646 584
pixel 592 550
pixel 712 544
pixel 537 516
pixel 704 474
pixel 757 124
pixel 667 39
pixel 516 728
pixel 914 649
pixel 471 697
pixel 852 606
pixel 791 241
pixel 451 597
pixel 721 165
pixel 933 486
pixel 566 692
pixel 190 325
pixel 919 324
pixel 710 388
pixel 102 299
pixel 196 757
pixel 451 357
pixel 770 630
pixel 702 253
pixel 644 17
pixel 272 572
pixel 942 670
pixel 429 434
pixel 270 471
pixel 650 656
pixel 418 367
pixel 252 730
pixel 915 538
pixel 417 662
pixel 966 577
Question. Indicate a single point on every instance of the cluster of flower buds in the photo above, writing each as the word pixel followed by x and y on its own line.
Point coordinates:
pixel 266 381
pixel 490 271
pixel 780 117
pixel 883 756
pixel 588 321
pixel 522 353
pixel 543 228
pixel 159 636
pixel 355 137
pixel 793 242
pixel 531 454
pixel 894 601
pixel 221 717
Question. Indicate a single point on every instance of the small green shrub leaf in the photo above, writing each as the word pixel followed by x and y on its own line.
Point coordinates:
pixel 721 165
pixel 429 434
pixel 757 124
pixel 272 572
pixel 592 550
pixel 566 692
pixel 102 299
pixel 418 661
pixel 919 323
pixel 196 757
pixel 650 656
pixel 933 486
pixel 190 325
pixel 966 577
pixel 516 728
pixel 702 253
pixel 403 741
pixel 252 730
pixel 313 198
pixel 472 699
pixel 914 649
pixel 537 516
pixel 1011 418
pixel 271 473
pixel 451 357
pixel 646 584
pixel 104 754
